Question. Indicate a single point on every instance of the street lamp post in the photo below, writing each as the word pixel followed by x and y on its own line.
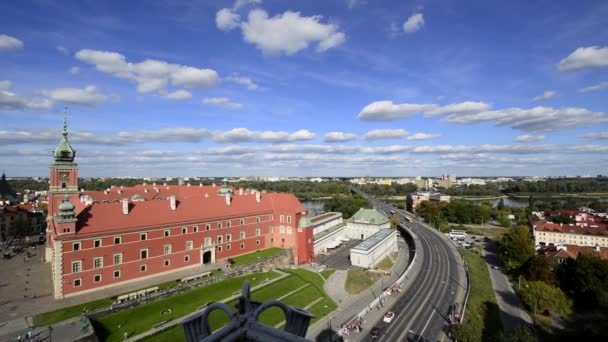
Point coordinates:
pixel 330 331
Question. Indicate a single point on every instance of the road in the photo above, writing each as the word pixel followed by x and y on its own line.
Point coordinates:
pixel 421 313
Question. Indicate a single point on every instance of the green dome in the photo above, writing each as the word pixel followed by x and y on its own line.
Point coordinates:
pixel 66 205
pixel 305 222
pixel 64 151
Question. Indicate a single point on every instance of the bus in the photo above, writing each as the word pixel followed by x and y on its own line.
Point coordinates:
pixel 409 220
pixel 392 212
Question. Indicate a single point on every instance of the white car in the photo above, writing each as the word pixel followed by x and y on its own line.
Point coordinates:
pixel 388 317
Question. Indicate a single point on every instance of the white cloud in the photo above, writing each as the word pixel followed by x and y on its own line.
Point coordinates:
pixel 242 3
pixel 226 19
pixel 585 58
pixel 6 85
pixel 386 149
pixel 332 137
pixel 89 96
pixel 529 138
pixel 597 87
pixel 63 50
pixel 74 70
pixel 387 110
pixel 385 134
pixel 222 101
pixel 485 148
pixel 414 23
pixel 150 75
pixel 595 136
pixel 355 3
pixel 467 107
pixel 245 135
pixel 289 32
pixel 8 43
pixel 178 95
pixel 246 81
pixel 537 119
pixel 12 101
pixel 423 136
pixel 549 94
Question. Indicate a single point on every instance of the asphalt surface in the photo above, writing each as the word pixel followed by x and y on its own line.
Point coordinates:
pixel 437 285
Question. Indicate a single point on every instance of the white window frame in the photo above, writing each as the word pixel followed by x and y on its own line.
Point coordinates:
pixel 228 238
pixel 258 232
pixel 119 255
pixel 189 245
pixel 167 262
pixel 257 242
pixel 167 233
pixel 219 239
pixel 242 235
pixel 100 259
pixel 242 222
pixel 186 258
pixel 228 224
pixel 207 227
pixel 228 247
pixel 95 243
pixel 257 219
pixel 79 280
pixel 242 245
pixel 143 236
pixel 208 242
pixel 288 230
pixel 147 254
pixel 184 230
pixel 195 229
pixel 143 268
pixel 288 218
pixel 114 274
pixel 119 240
pixel 219 248
pixel 282 229
pixel 282 218
pixel 165 249
pixel 219 225
pixel 97 281
pixel 74 248
pixel 79 263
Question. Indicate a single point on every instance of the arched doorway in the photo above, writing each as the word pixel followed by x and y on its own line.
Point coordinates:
pixel 206 257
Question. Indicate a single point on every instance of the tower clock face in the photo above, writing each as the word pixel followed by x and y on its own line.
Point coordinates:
pixel 64 176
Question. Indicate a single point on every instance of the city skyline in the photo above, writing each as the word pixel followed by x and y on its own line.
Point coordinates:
pixel 268 88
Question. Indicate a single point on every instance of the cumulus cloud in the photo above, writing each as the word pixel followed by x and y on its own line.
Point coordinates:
pixel 414 23
pixel 226 19
pixel 246 81
pixel 387 110
pixel 597 87
pixel 9 43
pixel 423 136
pixel 333 137
pixel 537 119
pixel 467 107
pixel 595 136
pixel 242 3
pixel 89 96
pixel 529 138
pixel 549 94
pixel 486 148
pixel 385 134
pixel 178 95
pixel 289 32
pixel 12 101
pixel 150 75
pixel 222 102
pixel 585 58
pixel 74 70
pixel 237 135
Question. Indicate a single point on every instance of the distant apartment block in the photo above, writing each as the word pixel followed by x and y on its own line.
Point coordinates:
pixel 587 230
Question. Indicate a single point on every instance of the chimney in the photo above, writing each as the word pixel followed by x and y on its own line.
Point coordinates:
pixel 228 199
pixel 258 197
pixel 241 191
pixel 200 185
pixel 156 190
pixel 263 191
pixel 188 184
pixel 81 190
pixel 172 201
pixel 153 184
pixel 121 187
pixel 105 192
pixel 165 184
pixel 146 190
pixel 213 185
pixel 125 206
pixel 206 195
pixel 120 191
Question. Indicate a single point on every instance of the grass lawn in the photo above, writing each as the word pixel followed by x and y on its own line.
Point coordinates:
pixel 327 273
pixel 59 315
pixel 62 314
pixel 142 318
pixel 358 281
pixel 385 264
pixel 481 319
pixel 251 257
pixel 492 233
pixel 272 316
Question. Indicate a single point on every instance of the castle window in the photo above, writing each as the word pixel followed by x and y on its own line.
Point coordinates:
pixel 258 232
pixel 189 245
pixel 143 268
pixel 117 259
pixel 184 230
pixel 143 236
pixel 76 266
pixel 187 258
pixel 195 228
pixel 207 227
pixel 167 249
pixel 143 254
pixel 228 237
pixel 242 222
pixel 257 219
pixel 242 246
pixel 288 219
pixel 117 240
pixel 98 262
pixel 219 225
pixel 97 243
pixel 242 235
pixel 77 282
pixel 76 246
pixel 257 242
pixel 97 278
pixel 117 274
pixel 289 230
pixel 167 263
pixel 228 247
pixel 167 232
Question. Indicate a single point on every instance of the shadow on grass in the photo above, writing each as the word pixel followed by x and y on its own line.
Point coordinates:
pixel 492 327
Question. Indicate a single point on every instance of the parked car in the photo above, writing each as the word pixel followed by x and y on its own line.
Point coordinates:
pixel 388 317
pixel 495 267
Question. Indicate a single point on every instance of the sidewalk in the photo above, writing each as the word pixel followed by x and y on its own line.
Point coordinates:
pixel 351 305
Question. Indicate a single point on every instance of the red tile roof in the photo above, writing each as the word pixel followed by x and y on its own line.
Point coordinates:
pixel 108 217
pixel 573 251
pixel 571 229
pixel 179 191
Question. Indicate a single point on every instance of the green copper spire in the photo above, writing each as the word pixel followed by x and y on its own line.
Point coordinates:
pixel 64 151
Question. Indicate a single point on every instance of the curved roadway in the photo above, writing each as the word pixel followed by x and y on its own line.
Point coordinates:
pixel 437 282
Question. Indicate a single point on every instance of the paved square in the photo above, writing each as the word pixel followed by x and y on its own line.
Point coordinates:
pixel 339 259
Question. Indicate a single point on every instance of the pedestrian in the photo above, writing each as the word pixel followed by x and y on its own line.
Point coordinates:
pixel 19 338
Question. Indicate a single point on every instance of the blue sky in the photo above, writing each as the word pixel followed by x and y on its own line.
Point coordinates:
pixel 306 88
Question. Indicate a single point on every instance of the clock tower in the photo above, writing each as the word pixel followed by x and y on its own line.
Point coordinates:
pixel 64 172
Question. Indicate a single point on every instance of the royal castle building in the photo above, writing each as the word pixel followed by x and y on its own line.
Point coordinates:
pixel 99 239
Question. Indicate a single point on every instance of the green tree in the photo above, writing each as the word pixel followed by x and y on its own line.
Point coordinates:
pixel 516 247
pixel 586 278
pixel 542 297
pixel 540 268
pixel 501 204
pixel 504 221
pixel 394 221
